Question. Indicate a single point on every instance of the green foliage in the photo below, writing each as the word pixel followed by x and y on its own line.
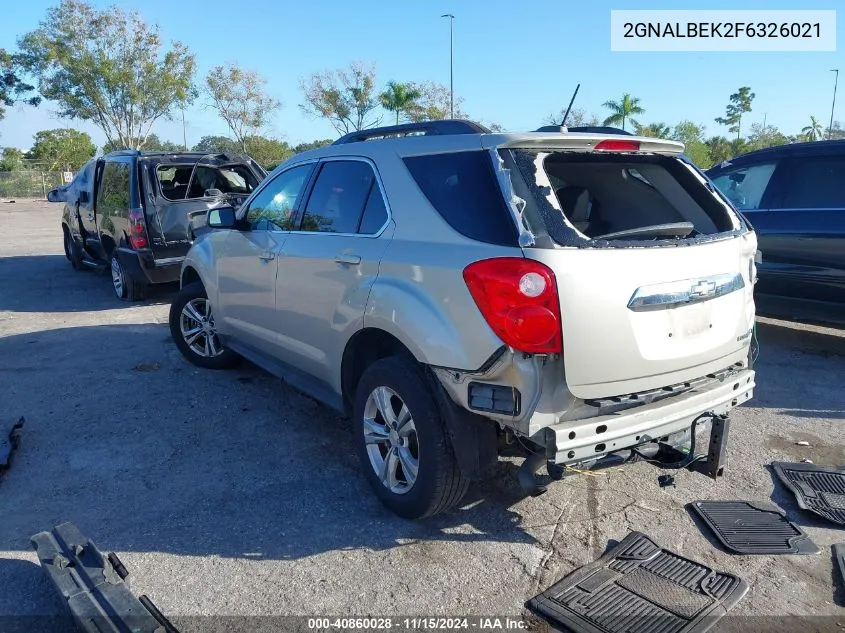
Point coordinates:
pixel 12 87
pixel 576 118
pixel 814 131
pixel 238 97
pixel 107 66
pixel 62 149
pixel 12 159
pixel 740 103
pixel 835 132
pixel 344 97
pixel 217 144
pixel 761 137
pixel 304 147
pixel 399 98
pixel 434 103
pixel 267 152
pixel 719 149
pixel 151 144
pixel 692 136
pixel 622 110
pixel 654 130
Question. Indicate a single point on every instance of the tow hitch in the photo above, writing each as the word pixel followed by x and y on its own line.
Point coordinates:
pixel 665 454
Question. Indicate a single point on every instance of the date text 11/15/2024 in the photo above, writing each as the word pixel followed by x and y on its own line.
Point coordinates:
pixel 417 624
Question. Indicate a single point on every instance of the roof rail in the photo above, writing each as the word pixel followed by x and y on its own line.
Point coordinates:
pixel 423 128
pixel 124 152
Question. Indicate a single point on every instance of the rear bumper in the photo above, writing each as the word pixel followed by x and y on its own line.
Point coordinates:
pixel 141 265
pixel 583 440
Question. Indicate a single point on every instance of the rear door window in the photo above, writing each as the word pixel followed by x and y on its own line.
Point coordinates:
pixel 745 186
pixel 114 198
pixel 462 187
pixel 337 200
pixel 816 182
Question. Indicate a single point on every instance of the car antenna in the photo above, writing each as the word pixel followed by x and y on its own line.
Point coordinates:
pixel 571 101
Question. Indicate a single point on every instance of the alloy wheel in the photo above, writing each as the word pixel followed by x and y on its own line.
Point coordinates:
pixel 196 323
pixel 391 440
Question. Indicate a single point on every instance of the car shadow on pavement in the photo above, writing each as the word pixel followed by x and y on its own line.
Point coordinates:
pixel 48 283
pixel 29 602
pixel 144 452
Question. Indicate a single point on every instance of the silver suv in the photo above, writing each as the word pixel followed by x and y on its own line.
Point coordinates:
pixel 458 293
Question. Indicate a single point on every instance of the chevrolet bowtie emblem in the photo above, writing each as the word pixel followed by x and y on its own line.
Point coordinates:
pixel 703 289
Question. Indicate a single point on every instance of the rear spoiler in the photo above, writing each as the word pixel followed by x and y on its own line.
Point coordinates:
pixel 576 141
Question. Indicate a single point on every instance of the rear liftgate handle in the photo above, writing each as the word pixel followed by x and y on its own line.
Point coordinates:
pixel 347 258
pixel 267 256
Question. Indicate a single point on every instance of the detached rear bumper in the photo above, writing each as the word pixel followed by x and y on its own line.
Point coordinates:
pixel 583 440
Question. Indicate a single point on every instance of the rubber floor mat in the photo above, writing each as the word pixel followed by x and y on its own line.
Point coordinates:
pixel 819 489
pixel 639 587
pixel 747 527
pixel 839 555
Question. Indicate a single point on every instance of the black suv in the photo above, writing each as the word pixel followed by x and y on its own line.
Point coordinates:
pixel 136 212
pixel 794 195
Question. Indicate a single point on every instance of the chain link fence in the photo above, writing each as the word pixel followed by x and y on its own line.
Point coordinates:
pixel 29 183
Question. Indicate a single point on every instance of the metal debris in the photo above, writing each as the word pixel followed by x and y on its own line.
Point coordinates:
pixel 8 443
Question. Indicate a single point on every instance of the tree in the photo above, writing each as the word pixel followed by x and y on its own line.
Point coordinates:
pixel 836 131
pixel 64 149
pixel 238 97
pixel 761 137
pixel 692 136
pixel 12 159
pixel 719 149
pixel 304 147
pixel 398 98
pixel 108 67
pixel 740 103
pixel 215 144
pixel 655 130
pixel 152 143
pixel 434 103
pixel 344 97
pixel 268 152
pixel 12 87
pixel 814 131
pixel 622 110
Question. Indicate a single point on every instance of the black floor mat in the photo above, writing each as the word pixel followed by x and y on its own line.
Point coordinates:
pixel 638 587
pixel 819 489
pixel 839 555
pixel 747 527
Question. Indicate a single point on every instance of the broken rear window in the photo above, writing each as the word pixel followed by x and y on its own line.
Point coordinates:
pixel 615 197
pixel 184 182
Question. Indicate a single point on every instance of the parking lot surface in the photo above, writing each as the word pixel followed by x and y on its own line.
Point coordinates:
pixel 229 493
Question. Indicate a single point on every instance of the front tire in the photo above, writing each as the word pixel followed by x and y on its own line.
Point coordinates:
pixel 402 442
pixel 125 286
pixel 193 330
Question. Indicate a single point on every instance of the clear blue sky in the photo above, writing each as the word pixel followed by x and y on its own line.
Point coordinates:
pixel 515 62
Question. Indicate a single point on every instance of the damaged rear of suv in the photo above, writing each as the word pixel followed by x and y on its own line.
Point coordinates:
pixel 583 297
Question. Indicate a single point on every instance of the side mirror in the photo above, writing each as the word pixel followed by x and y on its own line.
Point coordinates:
pixel 83 197
pixel 54 196
pixel 213 193
pixel 222 218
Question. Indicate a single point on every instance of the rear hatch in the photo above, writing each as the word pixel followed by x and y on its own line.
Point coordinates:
pixel 653 268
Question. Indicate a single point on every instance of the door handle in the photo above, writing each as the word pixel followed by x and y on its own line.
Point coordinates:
pixel 346 258
pixel 267 256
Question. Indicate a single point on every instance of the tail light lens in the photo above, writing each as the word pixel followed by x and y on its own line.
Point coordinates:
pixel 137 229
pixel 518 299
pixel 618 146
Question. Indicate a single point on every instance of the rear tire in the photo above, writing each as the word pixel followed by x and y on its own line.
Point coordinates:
pixel 411 436
pixel 72 252
pixel 193 331
pixel 125 286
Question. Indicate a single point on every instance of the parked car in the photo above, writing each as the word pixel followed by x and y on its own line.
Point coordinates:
pixel 133 213
pixel 457 293
pixel 794 196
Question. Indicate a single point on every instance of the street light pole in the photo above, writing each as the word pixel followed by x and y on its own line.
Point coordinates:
pixel 184 131
pixel 451 67
pixel 833 105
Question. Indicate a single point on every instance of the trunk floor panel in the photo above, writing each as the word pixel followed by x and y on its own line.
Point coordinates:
pixel 637 586
pixel 747 527
pixel 819 489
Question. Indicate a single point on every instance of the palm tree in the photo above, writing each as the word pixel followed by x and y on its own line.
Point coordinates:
pixel 814 131
pixel 622 110
pixel 655 130
pixel 398 98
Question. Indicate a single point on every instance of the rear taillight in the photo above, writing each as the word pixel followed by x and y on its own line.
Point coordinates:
pixel 137 229
pixel 618 146
pixel 518 299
